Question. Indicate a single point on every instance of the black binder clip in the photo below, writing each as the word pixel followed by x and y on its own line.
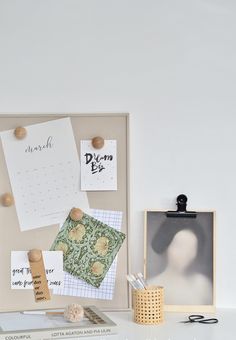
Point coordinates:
pixel 181 211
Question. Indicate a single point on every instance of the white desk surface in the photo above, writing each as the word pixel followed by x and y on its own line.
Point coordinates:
pixel 171 329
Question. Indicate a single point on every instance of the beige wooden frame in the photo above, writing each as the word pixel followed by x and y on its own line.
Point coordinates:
pixel 118 128
pixel 186 308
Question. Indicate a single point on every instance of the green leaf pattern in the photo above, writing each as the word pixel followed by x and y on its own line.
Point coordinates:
pixel 88 255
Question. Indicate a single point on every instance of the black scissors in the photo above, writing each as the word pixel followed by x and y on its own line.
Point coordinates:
pixel 200 319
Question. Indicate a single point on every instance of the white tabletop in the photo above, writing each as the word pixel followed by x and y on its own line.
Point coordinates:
pixel 172 329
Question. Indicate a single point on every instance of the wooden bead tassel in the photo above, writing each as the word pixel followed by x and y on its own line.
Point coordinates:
pixel 74 313
pixel 7 199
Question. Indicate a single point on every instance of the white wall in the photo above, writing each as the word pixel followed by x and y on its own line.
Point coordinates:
pixel 171 64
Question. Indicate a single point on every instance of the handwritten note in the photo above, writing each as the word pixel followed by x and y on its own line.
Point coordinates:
pixel 44 171
pixel 98 166
pixel 21 277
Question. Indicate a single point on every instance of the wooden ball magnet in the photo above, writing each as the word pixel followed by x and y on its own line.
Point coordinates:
pixel 7 199
pixel 76 214
pixel 98 142
pixel 20 132
pixel 34 255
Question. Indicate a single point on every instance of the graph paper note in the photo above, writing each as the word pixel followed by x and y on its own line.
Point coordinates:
pixel 77 287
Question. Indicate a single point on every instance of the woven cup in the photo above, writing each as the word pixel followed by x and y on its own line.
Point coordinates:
pixel 148 305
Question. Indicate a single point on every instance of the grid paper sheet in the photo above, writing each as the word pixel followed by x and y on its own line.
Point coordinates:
pixel 77 287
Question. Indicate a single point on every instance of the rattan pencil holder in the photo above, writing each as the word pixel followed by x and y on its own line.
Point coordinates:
pixel 148 305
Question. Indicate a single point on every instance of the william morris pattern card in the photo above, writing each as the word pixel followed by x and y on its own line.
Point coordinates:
pixel 98 166
pixel 44 172
pixel 89 247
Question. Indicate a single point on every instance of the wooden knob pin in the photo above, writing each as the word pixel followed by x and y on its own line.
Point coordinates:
pixel 76 214
pixel 98 142
pixel 7 199
pixel 20 132
pixel 34 255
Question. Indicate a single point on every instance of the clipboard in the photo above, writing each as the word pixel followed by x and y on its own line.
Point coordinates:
pixel 160 229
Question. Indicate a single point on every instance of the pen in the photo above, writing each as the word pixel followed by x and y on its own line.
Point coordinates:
pixel 132 282
pixel 141 278
pixel 137 281
pixel 40 312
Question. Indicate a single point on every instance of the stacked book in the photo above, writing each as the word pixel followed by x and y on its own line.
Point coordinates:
pixel 45 325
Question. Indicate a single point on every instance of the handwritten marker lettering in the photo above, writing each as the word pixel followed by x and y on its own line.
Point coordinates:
pixel 98 167
pixel 21 277
pixel 97 161
pixel 40 147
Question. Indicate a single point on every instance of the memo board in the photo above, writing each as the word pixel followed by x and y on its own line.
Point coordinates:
pixel 85 126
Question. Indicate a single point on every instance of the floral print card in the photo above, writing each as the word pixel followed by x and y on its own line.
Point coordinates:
pixel 89 247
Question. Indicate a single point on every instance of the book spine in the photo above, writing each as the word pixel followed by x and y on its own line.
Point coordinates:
pixel 59 334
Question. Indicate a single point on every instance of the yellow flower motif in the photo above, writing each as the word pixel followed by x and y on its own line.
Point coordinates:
pixel 101 245
pixel 61 246
pixel 77 233
pixel 97 268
